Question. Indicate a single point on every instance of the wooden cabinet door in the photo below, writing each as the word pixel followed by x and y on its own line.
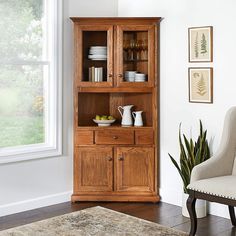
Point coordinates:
pixel 135 169
pixel 136 51
pixel 93 169
pixel 89 59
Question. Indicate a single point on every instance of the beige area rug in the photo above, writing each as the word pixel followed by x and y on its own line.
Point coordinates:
pixel 92 221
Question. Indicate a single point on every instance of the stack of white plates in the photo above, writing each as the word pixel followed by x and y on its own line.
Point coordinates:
pixel 97 53
pixel 130 76
pixel 139 77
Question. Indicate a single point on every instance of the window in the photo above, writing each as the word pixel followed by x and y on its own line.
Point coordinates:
pixel 30 80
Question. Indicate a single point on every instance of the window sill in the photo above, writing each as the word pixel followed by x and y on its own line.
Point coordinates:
pixel 29 152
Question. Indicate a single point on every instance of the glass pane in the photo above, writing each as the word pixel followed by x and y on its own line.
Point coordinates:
pixel 135 56
pixel 94 56
pixel 21 28
pixel 22 104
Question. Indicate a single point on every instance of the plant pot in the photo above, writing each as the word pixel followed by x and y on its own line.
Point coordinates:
pixel 200 207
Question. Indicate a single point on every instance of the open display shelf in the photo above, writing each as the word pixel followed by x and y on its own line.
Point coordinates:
pixel 123 160
pixel 107 104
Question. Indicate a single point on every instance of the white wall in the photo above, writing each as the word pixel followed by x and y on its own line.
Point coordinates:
pixel 175 108
pixel 32 184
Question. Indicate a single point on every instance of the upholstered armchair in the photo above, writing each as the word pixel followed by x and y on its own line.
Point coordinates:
pixel 215 179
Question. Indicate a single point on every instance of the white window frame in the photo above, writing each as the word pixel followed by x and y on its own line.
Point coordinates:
pixel 53 121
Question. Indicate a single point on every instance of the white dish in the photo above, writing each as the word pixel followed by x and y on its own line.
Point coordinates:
pixel 95 49
pixel 97 57
pixel 130 73
pixel 98 54
pixel 129 79
pixel 140 76
pixel 98 47
pixel 104 122
pixel 98 51
pixel 129 76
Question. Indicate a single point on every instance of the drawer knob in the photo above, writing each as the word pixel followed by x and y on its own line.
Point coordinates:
pixel 109 158
pixel 115 137
pixel 121 158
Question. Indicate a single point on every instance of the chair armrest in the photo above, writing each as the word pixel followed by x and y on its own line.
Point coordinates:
pixel 218 165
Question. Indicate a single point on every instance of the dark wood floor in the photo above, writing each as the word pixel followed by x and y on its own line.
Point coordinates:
pixel 162 213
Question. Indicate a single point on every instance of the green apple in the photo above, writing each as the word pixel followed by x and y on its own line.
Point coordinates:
pixel 97 117
pixel 103 118
pixel 110 118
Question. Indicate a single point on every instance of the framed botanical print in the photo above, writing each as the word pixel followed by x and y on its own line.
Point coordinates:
pixel 200 41
pixel 201 85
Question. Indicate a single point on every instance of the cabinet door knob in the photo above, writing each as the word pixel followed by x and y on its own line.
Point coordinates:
pixel 121 158
pixel 120 76
pixel 115 137
pixel 110 75
pixel 109 158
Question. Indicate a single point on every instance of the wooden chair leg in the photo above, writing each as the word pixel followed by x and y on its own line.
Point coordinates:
pixel 192 212
pixel 232 215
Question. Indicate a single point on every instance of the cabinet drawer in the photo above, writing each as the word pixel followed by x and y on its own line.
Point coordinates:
pixel 83 137
pixel 114 137
pixel 144 136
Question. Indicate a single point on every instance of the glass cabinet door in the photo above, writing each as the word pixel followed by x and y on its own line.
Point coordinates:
pixel 136 56
pixel 94 55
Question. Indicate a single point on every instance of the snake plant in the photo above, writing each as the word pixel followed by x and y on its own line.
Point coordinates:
pixel 191 154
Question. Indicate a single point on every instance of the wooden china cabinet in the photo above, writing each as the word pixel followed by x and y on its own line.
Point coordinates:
pixel 116 163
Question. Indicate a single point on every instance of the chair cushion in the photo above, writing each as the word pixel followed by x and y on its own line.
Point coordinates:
pixel 223 186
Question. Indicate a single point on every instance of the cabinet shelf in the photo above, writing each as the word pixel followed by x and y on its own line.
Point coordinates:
pixel 93 104
pixel 94 127
pixel 113 89
pixel 134 61
pixel 100 60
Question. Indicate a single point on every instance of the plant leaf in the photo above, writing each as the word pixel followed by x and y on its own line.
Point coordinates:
pixel 191 154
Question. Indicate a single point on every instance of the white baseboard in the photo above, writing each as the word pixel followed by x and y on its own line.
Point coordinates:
pixel 219 210
pixel 35 203
pixel 173 196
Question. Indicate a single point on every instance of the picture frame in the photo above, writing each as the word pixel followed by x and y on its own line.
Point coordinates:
pixel 200 42
pixel 200 84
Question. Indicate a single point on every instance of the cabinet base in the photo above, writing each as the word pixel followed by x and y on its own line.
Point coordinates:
pixel 88 198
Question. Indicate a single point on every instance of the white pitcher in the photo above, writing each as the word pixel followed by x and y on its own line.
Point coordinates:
pixel 138 121
pixel 126 115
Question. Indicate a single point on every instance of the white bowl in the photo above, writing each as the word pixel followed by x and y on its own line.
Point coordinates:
pixel 129 79
pixel 104 122
pixel 92 51
pixel 140 76
pixel 130 73
pixel 97 56
pixel 98 47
